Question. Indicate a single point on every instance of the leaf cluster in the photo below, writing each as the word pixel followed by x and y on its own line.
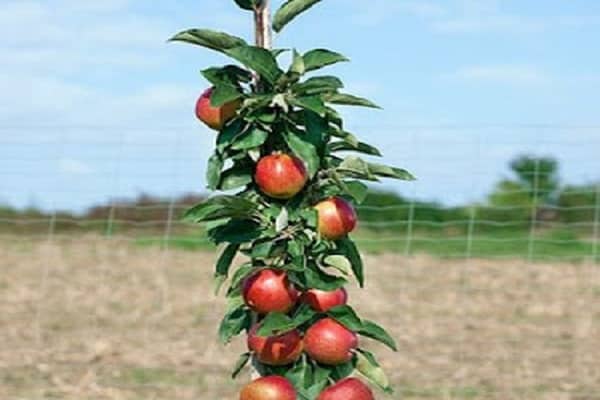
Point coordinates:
pixel 286 109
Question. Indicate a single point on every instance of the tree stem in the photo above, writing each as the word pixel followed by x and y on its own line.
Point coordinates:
pixel 262 22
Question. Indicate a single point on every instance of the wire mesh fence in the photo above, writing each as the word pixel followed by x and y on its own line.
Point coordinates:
pixel 498 287
pixel 467 201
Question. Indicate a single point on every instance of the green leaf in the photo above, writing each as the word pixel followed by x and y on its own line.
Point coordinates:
pixel 346 316
pixel 305 150
pixel 347 136
pixel 348 249
pixel 234 323
pixel 356 167
pixel 258 59
pixel 371 330
pixel 311 216
pixel 349 100
pixel 231 75
pixel 319 58
pixel 357 190
pixel 317 279
pixel 229 133
pixel 262 250
pixel 220 207
pixel 297 66
pixel 240 364
pixel 316 130
pixel 318 85
pixel 358 147
pixel 242 273
pixel 342 371
pixel 290 10
pixel 218 282
pixel 214 40
pixel 313 391
pixel 367 365
pixel 249 5
pixel 234 178
pixel 278 52
pixel 282 221
pixel 234 301
pixel 299 374
pixel 334 118
pixel 253 138
pixel 223 94
pixel 391 172
pixel 295 248
pixel 339 262
pixel 321 375
pixel 312 103
pixel 267 116
pixel 213 171
pixel 224 263
pixel 236 232
pixel 303 314
pixel 274 324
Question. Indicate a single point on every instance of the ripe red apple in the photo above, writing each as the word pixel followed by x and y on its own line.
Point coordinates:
pixel 268 291
pixel 347 389
pixel 269 388
pixel 337 218
pixel 276 350
pixel 215 117
pixel 322 301
pixel 330 342
pixel 280 176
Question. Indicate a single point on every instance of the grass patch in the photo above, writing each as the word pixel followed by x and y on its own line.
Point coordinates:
pixel 182 242
pixel 156 377
pixel 561 245
pixel 557 245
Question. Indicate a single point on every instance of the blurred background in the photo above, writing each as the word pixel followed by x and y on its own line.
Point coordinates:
pixel 485 268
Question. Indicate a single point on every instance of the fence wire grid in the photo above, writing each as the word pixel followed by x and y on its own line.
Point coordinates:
pixel 102 299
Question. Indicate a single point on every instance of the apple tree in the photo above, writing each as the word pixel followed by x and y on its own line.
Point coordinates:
pixel 289 176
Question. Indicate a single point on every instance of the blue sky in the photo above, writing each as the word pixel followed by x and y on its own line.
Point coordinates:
pixel 95 104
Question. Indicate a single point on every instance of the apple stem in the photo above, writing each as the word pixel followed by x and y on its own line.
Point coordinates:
pixel 262 21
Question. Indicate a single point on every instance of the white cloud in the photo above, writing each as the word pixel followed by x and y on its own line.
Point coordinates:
pixel 53 49
pixel 73 167
pixel 504 74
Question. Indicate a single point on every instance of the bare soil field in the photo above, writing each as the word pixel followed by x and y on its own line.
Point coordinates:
pixel 101 319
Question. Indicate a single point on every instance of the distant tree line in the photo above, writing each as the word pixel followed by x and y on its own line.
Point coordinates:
pixel 533 192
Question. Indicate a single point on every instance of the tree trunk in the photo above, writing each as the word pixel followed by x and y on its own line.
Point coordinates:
pixel 262 21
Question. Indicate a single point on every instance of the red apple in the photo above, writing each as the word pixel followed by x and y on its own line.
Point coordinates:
pixel 215 117
pixel 321 301
pixel 347 389
pixel 280 176
pixel 330 342
pixel 276 350
pixel 269 388
pixel 268 291
pixel 337 218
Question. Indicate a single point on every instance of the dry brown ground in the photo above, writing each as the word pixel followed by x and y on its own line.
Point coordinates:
pixel 105 320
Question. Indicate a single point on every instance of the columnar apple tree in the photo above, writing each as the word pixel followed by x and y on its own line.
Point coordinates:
pixel 290 175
